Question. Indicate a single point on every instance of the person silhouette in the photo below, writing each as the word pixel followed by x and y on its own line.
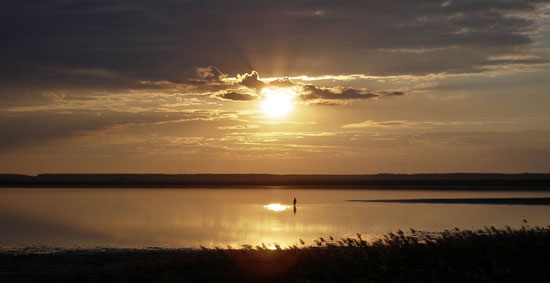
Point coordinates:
pixel 294 206
pixel 294 201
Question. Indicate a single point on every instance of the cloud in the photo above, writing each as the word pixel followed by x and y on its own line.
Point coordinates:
pixel 312 92
pixel 176 94
pixel 305 92
pixel 408 124
pixel 329 96
pixel 248 87
pixel 251 80
pixel 206 78
pixel 392 93
pixel 45 42
pixel 282 82
pixel 35 127
pixel 493 139
pixel 236 96
pixel 211 78
pixel 210 73
pixel 308 93
pixel 391 124
pixel 58 47
pixel 239 127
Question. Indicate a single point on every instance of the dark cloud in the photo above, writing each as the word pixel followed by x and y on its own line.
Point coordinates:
pixel 112 43
pixel 309 93
pixel 211 78
pixel 312 92
pixel 252 80
pixel 235 95
pixel 391 93
pixel 284 82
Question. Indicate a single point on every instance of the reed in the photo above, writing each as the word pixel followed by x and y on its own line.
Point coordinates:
pixel 486 255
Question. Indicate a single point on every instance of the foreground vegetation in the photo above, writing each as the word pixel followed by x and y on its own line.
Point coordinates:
pixel 490 255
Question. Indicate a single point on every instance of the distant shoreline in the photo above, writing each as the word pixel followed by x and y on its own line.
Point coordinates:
pixel 283 187
pixel 493 201
pixel 451 181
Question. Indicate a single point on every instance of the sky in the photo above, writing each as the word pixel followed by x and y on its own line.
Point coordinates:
pixel 284 87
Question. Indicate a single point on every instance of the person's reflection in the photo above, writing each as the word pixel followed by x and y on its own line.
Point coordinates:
pixel 294 206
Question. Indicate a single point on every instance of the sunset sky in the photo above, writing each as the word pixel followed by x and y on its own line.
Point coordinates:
pixel 257 86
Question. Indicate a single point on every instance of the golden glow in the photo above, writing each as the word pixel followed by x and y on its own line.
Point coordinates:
pixel 276 207
pixel 277 103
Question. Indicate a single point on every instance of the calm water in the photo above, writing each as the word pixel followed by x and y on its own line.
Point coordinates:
pixel 126 218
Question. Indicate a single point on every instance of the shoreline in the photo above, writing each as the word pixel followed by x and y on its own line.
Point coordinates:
pixel 490 255
pixel 449 181
pixel 545 201
pixel 269 186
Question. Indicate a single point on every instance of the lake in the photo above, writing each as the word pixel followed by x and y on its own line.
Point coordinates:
pixel 189 218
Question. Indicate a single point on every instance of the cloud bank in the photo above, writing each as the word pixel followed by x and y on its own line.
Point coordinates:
pixel 114 44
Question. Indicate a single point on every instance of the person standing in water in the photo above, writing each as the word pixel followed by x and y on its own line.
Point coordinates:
pixel 294 201
pixel 294 206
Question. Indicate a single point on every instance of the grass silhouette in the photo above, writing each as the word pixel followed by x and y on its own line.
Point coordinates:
pixel 488 255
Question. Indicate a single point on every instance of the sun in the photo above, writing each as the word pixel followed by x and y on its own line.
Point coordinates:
pixel 277 103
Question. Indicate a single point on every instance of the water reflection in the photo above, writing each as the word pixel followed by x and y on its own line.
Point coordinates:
pixel 276 207
pixel 130 218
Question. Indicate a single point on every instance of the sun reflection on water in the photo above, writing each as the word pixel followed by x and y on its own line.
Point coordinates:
pixel 276 207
